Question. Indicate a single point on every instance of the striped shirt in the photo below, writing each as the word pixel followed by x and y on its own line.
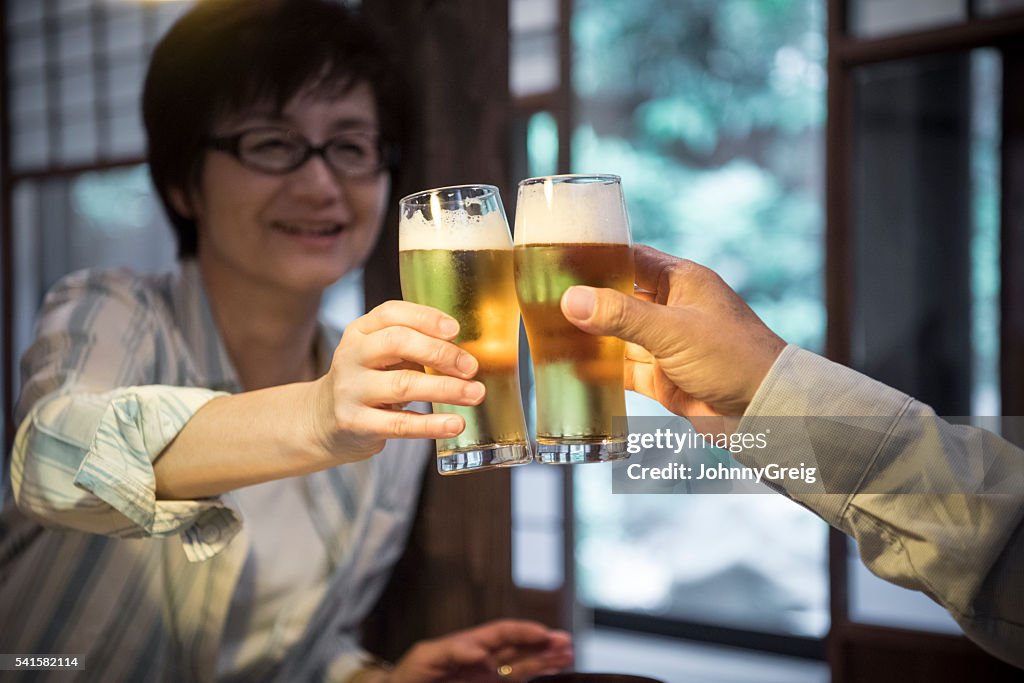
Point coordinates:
pixel 93 564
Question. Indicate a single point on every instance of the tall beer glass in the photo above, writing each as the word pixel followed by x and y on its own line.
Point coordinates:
pixel 455 254
pixel 573 230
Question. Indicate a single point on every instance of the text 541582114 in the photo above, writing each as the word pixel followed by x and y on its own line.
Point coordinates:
pixel 40 662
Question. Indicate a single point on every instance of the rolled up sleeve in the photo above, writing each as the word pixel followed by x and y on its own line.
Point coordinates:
pixel 85 461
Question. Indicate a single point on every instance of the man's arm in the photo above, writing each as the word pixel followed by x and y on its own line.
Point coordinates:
pixel 905 483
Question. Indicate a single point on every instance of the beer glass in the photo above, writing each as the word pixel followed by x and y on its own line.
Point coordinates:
pixel 573 230
pixel 455 254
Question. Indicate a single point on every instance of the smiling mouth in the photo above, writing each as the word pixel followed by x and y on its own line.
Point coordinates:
pixel 324 230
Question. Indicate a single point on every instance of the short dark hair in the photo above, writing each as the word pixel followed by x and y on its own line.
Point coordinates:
pixel 224 56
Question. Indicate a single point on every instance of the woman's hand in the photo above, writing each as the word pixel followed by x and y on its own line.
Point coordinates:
pixel 504 650
pixel 378 367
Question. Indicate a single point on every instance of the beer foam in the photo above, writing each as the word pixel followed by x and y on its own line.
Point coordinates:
pixel 570 213
pixel 453 231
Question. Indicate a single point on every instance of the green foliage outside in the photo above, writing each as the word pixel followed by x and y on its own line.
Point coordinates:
pixel 712 112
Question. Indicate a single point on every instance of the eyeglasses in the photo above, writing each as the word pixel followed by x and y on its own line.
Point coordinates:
pixel 279 150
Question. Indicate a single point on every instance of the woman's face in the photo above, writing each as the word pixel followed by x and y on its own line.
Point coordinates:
pixel 300 230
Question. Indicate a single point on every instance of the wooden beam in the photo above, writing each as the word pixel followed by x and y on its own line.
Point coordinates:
pixel 989 31
pixel 456 571
pixel 838 290
pixel 6 250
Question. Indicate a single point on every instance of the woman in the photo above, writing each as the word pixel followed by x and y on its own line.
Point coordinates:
pixel 210 484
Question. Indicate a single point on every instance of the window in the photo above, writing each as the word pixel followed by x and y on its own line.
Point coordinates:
pixel 713 115
pixel 925 128
pixel 81 195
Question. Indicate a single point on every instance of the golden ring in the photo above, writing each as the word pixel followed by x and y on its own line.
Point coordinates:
pixel 505 670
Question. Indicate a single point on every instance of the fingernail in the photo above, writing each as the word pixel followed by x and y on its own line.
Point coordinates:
pixel 466 363
pixel 473 391
pixel 579 302
pixel 453 425
pixel 449 327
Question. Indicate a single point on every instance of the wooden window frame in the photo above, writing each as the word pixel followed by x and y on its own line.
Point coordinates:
pixel 95 13
pixel 896 653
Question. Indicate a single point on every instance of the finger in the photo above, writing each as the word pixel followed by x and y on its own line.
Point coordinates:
pixel 643 294
pixel 510 632
pixel 465 652
pixel 651 265
pixel 426 319
pixel 555 645
pixel 405 424
pixel 637 353
pixel 608 312
pixel 640 377
pixel 397 344
pixel 404 386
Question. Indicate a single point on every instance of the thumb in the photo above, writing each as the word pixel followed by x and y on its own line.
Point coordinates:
pixel 612 313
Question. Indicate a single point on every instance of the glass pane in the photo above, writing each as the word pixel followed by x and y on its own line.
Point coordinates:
pixel 533 46
pixel 542 144
pixel 538 532
pixel 28 99
pixel 125 31
pixel 537 497
pixel 926 220
pixel 77 92
pixel 713 115
pixel 874 18
pixel 527 16
pixel 925 315
pixel 29 149
pixel 74 41
pixel 128 138
pixel 77 140
pixel 73 7
pixel 126 76
pixel 24 13
pixel 681 661
pixel 26 288
pixel 534 63
pixel 116 219
pixel 95 220
pixel 68 44
pixel 986 134
pixel 537 558
pixel 26 52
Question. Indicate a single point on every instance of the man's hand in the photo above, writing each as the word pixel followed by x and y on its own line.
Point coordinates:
pixel 693 344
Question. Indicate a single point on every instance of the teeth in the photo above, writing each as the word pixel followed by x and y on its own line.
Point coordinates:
pixel 316 232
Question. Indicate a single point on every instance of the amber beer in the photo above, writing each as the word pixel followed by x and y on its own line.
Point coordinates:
pixel 475 287
pixel 469 277
pixel 578 376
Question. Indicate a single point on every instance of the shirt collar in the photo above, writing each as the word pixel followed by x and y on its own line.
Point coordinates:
pixel 212 362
